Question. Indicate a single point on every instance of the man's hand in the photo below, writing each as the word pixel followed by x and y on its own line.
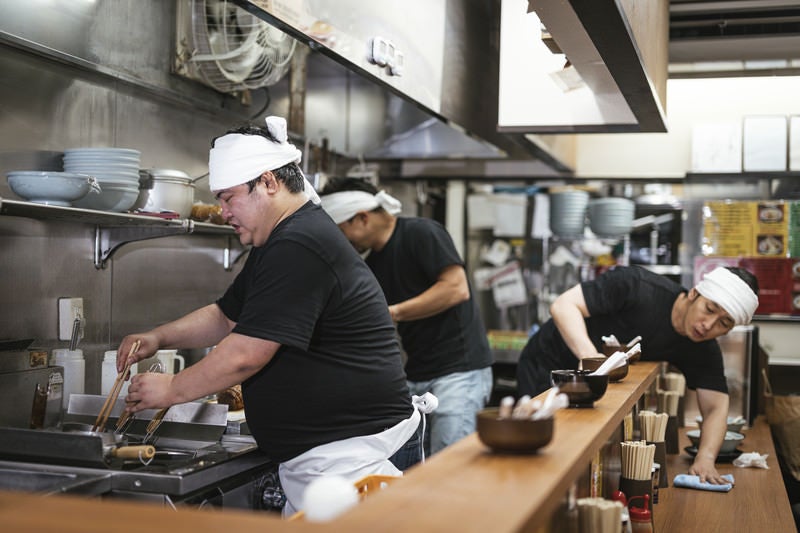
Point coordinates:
pixel 704 468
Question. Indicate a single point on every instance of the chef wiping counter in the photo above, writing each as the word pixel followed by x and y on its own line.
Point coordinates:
pixel 676 325
pixel 304 327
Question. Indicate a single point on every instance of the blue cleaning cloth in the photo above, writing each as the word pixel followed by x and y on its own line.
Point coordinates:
pixel 693 482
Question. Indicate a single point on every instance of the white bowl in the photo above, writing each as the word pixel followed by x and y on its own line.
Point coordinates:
pixel 51 188
pixel 732 440
pixel 114 197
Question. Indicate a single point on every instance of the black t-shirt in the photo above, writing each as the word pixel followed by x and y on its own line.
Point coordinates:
pixel 338 372
pixel 625 302
pixel 410 262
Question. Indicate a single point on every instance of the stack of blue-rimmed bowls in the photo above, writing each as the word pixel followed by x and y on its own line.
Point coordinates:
pixel 568 212
pixel 611 217
pixel 116 171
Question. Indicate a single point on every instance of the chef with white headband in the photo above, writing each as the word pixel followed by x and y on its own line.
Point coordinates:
pixel 730 292
pixel 676 325
pixel 317 401
pixel 237 158
pixel 342 206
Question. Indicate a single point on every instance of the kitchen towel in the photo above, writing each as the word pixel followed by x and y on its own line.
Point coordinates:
pixel 693 482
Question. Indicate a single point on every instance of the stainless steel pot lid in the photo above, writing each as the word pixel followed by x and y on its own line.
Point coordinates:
pixel 165 174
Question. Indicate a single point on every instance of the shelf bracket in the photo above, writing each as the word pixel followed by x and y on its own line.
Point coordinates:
pixel 107 240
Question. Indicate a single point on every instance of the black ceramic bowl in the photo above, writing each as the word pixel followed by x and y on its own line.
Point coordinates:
pixel 581 387
pixel 593 363
pixel 513 435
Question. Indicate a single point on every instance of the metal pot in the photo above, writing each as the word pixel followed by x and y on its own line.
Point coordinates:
pixel 114 444
pixel 165 190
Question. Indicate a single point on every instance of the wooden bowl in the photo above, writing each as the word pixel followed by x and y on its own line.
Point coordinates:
pixel 593 363
pixel 608 351
pixel 513 435
pixel 581 387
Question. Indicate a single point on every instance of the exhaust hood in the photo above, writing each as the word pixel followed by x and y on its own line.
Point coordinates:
pixel 434 64
pixel 617 56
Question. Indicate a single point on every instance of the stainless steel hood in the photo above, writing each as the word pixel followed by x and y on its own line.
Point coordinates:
pixel 433 95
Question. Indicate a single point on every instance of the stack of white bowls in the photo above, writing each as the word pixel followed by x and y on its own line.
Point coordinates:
pixel 611 217
pixel 116 171
pixel 568 212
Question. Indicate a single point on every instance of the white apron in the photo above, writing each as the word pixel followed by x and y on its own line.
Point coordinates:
pixel 352 459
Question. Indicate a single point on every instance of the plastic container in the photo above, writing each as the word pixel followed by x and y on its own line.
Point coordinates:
pixel 641 518
pixel 109 374
pixel 74 372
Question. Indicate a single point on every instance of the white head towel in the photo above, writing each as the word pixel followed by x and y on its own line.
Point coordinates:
pixel 342 206
pixel 237 158
pixel 730 292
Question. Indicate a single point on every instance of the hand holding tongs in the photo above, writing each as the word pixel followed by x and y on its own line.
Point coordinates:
pixel 154 423
pixel 102 417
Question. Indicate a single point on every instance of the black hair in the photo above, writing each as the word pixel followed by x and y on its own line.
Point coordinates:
pixel 747 277
pixel 290 174
pixel 348 184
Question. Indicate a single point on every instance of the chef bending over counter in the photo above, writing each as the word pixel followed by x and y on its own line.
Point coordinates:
pixel 676 325
pixel 304 328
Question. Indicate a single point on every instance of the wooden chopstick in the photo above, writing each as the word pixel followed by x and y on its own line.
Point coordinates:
pixel 154 423
pixel 105 411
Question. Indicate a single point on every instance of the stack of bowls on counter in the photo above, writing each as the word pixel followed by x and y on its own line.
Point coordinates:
pixel 116 171
pixel 611 217
pixel 568 212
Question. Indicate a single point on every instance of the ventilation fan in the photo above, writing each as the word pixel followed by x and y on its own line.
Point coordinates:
pixel 227 48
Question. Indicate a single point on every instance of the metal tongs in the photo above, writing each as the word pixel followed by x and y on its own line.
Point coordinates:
pixel 126 419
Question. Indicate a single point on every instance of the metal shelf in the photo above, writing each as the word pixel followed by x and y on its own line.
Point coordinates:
pixel 113 230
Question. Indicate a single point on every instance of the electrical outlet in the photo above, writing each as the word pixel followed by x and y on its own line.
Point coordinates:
pixel 68 310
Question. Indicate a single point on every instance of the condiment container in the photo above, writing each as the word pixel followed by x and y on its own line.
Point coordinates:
pixel 74 371
pixel 641 518
pixel 109 374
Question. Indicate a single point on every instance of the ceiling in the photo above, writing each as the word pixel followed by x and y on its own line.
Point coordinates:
pixel 738 35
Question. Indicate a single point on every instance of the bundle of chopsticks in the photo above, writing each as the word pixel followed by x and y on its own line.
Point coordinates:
pixel 637 459
pixel 108 405
pixel 653 426
pixel 668 401
pixel 673 387
pixel 598 515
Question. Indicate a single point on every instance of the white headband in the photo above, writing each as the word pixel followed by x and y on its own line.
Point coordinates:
pixel 344 205
pixel 730 292
pixel 237 158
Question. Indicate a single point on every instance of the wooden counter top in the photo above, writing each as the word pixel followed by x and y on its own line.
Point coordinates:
pixel 468 488
pixel 758 501
pixel 463 488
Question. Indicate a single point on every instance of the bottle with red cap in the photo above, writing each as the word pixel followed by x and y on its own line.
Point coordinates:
pixel 640 516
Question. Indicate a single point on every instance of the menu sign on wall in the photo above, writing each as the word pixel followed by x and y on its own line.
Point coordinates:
pixel 746 229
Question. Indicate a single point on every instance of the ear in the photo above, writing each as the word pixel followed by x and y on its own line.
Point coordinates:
pixel 693 294
pixel 270 181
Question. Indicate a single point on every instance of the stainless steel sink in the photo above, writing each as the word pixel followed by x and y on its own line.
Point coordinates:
pixel 48 479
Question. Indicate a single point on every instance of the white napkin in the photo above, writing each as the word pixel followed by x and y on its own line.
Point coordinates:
pixel 752 459
pixel 616 360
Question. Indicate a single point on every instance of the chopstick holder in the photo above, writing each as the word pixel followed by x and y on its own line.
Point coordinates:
pixel 660 457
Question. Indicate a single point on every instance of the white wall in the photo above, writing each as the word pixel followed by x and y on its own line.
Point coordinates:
pixel 689 102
